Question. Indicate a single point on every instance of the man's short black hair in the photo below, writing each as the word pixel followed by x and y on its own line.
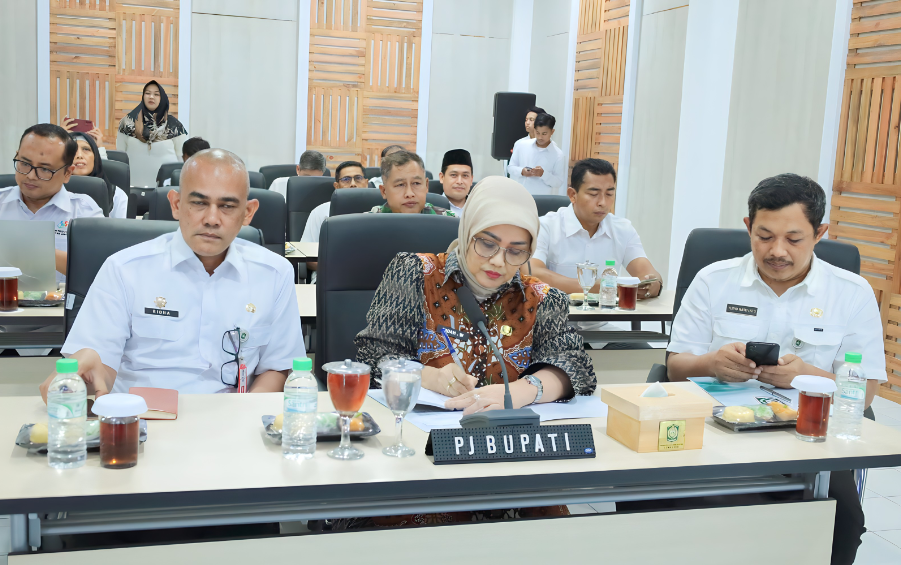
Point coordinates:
pixel 53 131
pixel 399 159
pixel 312 161
pixel 346 164
pixel 545 120
pixel 775 193
pixel 392 149
pixel 594 166
pixel 536 110
pixel 193 145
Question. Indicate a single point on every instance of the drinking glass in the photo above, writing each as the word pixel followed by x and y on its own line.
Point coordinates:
pixel 588 274
pixel 401 382
pixel 348 383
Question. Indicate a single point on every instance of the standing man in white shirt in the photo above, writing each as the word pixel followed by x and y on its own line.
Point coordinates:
pixel 456 178
pixel 349 174
pixel 311 164
pixel 782 293
pixel 587 230
pixel 43 163
pixel 538 164
pixel 163 313
pixel 531 114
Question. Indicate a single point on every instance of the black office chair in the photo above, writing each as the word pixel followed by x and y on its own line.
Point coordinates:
pixel 304 194
pixel 270 217
pixel 272 172
pixel 344 291
pixel 705 246
pixel 7 180
pixel 359 200
pixel 132 210
pixel 120 156
pixel 94 187
pixel 428 175
pixel 142 199
pixel 370 172
pixel 118 173
pixel 165 171
pixel 550 202
pixel 93 240
pixel 435 187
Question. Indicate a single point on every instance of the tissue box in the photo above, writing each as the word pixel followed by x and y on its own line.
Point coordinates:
pixel 670 423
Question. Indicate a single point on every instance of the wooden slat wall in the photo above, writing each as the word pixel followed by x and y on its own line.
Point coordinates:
pixel 363 78
pixel 866 192
pixel 599 80
pixel 102 52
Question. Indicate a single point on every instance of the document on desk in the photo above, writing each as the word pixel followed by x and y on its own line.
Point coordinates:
pixel 746 393
pixel 430 412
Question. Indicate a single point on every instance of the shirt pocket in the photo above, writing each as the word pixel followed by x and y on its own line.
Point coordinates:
pixel 164 328
pixel 730 331
pixel 817 344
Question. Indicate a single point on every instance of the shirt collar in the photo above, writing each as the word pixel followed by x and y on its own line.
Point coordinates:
pixel 180 251
pixel 813 282
pixel 452 267
pixel 572 225
pixel 61 199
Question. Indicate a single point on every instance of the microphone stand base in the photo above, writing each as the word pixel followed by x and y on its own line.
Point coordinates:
pixel 500 418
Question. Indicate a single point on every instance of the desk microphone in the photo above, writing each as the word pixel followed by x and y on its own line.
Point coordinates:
pixel 509 416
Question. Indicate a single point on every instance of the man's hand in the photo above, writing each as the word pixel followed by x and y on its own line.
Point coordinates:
pixel 649 290
pixel 537 171
pixel 730 364
pixel 98 377
pixel 449 380
pixel 782 374
pixel 526 171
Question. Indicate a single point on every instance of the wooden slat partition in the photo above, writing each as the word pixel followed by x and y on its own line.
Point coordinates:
pixel 363 77
pixel 102 52
pixel 866 191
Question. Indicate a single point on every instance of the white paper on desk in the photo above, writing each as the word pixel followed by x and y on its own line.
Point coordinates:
pixel 746 393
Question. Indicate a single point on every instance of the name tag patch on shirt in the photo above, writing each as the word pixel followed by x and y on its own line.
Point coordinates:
pixel 743 310
pixel 62 228
pixel 456 334
pixel 161 312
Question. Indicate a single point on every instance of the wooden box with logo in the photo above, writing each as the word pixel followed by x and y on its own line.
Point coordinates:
pixel 644 424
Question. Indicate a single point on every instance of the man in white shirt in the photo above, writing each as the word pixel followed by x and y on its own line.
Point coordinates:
pixel 538 164
pixel 456 177
pixel 43 164
pixel 188 149
pixel 586 230
pixel 531 114
pixel 311 164
pixel 161 313
pixel 349 174
pixel 782 293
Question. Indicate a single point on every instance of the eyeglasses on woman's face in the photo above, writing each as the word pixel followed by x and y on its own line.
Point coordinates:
pixel 488 249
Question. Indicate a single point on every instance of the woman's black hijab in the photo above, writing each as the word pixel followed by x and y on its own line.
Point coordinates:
pixel 150 127
pixel 98 162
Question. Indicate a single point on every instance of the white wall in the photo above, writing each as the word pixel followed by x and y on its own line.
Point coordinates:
pixel 655 130
pixel 547 69
pixel 470 62
pixel 18 75
pixel 244 77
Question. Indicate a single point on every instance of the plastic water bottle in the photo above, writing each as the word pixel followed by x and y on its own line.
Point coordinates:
pixel 608 285
pixel 851 385
pixel 299 414
pixel 67 414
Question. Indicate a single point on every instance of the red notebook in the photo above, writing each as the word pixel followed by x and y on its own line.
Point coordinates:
pixel 162 403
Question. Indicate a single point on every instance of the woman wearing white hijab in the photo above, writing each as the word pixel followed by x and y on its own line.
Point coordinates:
pixel 527 319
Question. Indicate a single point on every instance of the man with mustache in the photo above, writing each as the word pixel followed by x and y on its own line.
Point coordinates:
pixel 405 187
pixel 782 293
pixel 173 312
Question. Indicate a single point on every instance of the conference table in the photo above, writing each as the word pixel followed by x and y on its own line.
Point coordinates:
pixel 215 466
pixel 302 251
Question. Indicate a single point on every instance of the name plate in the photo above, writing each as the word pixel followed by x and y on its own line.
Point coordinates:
pixel 510 443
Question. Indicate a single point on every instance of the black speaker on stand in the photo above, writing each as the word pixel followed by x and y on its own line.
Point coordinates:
pixel 509 122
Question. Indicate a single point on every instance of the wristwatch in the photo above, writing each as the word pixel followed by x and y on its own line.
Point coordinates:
pixel 536 382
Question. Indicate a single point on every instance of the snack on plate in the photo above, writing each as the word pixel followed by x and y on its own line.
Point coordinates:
pixel 762 412
pixel 38 433
pixel 278 422
pixel 54 295
pixel 326 420
pixel 577 296
pixel 738 414
pixel 783 412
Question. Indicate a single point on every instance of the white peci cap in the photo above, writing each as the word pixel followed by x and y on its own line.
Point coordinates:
pixel 118 405
pixel 811 383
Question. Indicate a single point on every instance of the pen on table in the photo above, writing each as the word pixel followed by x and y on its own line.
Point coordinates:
pixel 453 351
pixel 776 394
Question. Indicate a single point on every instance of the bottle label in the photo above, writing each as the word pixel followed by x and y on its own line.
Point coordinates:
pixel 853 392
pixel 300 404
pixel 58 406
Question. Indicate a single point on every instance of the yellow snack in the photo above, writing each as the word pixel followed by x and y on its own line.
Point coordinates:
pixel 38 433
pixel 783 412
pixel 278 422
pixel 356 424
pixel 577 296
pixel 21 295
pixel 738 414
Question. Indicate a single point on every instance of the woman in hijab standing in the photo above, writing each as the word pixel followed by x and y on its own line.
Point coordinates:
pixel 88 163
pixel 150 136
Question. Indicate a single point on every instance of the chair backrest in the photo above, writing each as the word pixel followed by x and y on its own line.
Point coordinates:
pixel 272 172
pixel 304 194
pixel 120 156
pixel 256 179
pixel 270 217
pixel 94 187
pixel 118 173
pixel 165 171
pixel 93 240
pixel 370 172
pixel 435 187
pixel 132 209
pixel 143 197
pixel 353 254
pixel 7 180
pixel 550 202
pixel 359 200
pixel 705 246
pixel 428 175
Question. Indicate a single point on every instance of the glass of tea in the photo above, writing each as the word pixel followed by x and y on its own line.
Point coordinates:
pixel 401 382
pixel 627 292
pixel 9 289
pixel 348 383
pixel 814 401
pixel 119 429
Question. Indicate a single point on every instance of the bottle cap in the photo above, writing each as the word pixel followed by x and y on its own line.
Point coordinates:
pixel 853 357
pixel 303 364
pixel 610 263
pixel 67 365
pixel 119 405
